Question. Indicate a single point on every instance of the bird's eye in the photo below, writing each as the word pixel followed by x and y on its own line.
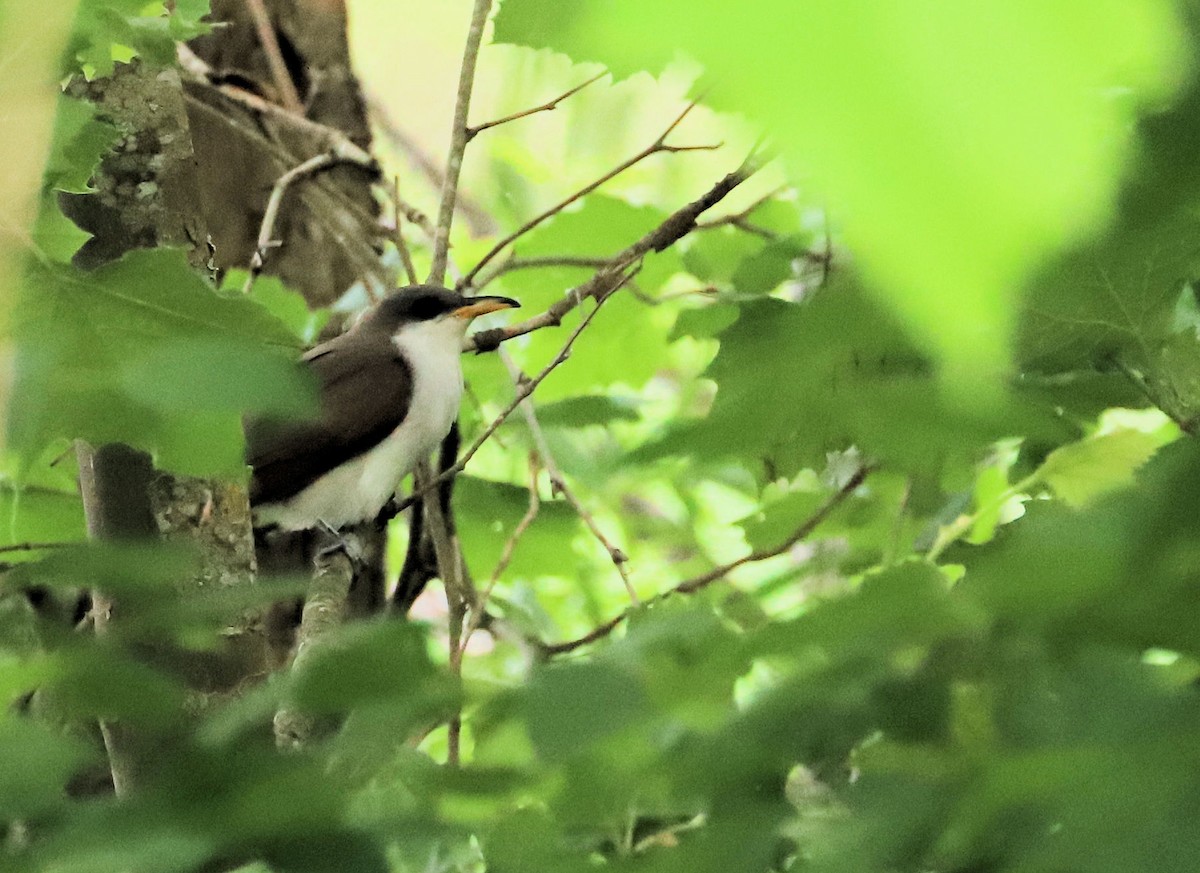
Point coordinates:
pixel 425 308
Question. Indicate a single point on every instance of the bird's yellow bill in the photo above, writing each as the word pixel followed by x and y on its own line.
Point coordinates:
pixel 484 305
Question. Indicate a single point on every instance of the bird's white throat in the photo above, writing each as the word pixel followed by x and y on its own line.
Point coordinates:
pixel 358 489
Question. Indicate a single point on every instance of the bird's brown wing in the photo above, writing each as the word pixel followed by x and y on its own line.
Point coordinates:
pixel 365 391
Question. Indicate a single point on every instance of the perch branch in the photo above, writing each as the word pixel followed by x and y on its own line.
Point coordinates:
pixel 558 484
pixel 458 141
pixel 324 611
pixel 288 95
pixel 548 106
pixel 659 145
pixel 696 583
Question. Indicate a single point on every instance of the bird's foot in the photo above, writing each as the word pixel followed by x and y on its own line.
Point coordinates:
pixel 348 543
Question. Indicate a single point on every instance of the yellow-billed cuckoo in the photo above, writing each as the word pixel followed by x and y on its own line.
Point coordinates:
pixel 389 390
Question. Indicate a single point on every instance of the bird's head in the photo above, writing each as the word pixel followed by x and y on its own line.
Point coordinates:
pixel 430 308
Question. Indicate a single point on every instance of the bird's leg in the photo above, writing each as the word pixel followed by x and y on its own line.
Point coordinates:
pixel 347 542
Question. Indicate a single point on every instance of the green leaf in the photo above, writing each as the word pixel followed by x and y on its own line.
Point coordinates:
pixel 80 141
pixel 573 706
pixel 37 764
pixel 145 352
pixel 626 344
pixel 715 255
pixel 107 29
pixel 1080 472
pixel 947 173
pixel 600 227
pixel 833 362
pixel 488 512
pixel 39 515
pixel 587 411
pixel 765 270
pixel 370 664
pixel 56 236
pixel 285 304
pixel 705 322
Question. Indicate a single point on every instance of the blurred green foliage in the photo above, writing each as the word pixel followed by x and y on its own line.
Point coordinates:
pixel 983 658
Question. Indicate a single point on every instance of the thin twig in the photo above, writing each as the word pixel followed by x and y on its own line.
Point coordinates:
pixel 548 106
pixel 267 229
pixel 288 95
pixel 458 141
pixel 321 136
pixel 401 245
pixel 460 595
pixel 558 484
pixel 696 583
pixel 522 392
pixel 659 145
pixel 506 555
pixel 513 264
pixel 36 547
pixel 741 220
pixel 675 227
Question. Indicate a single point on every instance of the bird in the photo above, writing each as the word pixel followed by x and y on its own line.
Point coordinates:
pixel 388 394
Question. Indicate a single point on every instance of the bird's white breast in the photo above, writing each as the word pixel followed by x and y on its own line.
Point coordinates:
pixel 356 490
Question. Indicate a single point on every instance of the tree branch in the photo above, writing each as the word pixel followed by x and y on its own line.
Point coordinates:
pixel 558 484
pixel 674 228
pixel 548 106
pixel 458 141
pixel 36 547
pixel 288 95
pixel 659 145
pixel 741 220
pixel 324 611
pixel 696 583
pixel 513 264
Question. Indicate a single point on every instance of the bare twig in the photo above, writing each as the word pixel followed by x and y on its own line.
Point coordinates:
pixel 506 555
pixel 288 95
pixel 696 583
pixel 321 136
pixel 523 391
pixel 458 141
pixel 36 547
pixel 514 264
pixel 548 106
pixel 676 226
pixel 741 220
pixel 401 245
pixel 460 595
pixel 659 145
pixel 558 484
pixel 267 229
